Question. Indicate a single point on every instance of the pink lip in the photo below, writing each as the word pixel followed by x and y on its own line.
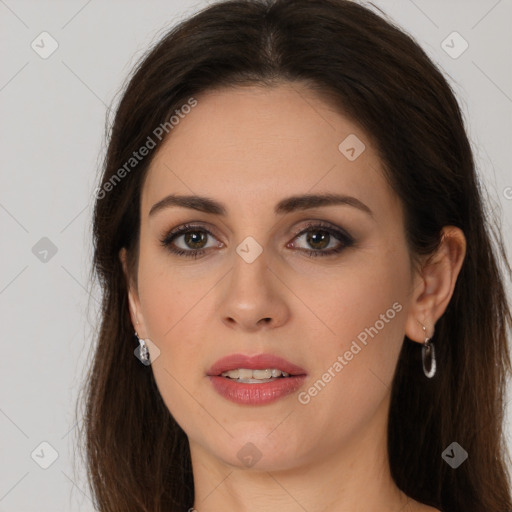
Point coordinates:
pixel 260 361
pixel 256 393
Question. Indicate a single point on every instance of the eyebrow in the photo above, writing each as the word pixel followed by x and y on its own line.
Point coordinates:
pixel 287 205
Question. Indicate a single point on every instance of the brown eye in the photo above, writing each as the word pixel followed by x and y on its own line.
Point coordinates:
pixel 189 241
pixel 319 239
pixel 195 239
pixel 324 240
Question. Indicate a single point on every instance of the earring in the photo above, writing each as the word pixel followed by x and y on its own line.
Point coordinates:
pixel 428 352
pixel 143 350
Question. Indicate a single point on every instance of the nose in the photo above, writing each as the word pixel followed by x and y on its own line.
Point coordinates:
pixel 253 297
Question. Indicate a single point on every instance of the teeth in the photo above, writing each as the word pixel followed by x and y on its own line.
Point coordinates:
pixel 262 374
pixel 244 373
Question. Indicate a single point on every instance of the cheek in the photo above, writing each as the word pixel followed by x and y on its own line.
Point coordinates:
pixel 172 295
pixel 174 310
pixel 359 337
pixel 354 367
pixel 347 299
pixel 179 312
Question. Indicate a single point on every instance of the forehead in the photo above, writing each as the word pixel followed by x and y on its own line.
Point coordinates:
pixel 266 143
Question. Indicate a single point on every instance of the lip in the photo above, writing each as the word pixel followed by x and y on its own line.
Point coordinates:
pixel 259 361
pixel 255 393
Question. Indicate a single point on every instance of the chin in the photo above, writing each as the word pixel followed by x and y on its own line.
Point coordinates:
pixel 263 452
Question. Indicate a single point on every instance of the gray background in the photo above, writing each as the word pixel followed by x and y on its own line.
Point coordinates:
pixel 52 134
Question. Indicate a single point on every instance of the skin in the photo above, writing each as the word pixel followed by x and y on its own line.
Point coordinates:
pixel 248 148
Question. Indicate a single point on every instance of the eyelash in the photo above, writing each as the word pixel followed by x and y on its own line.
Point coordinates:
pixel 346 241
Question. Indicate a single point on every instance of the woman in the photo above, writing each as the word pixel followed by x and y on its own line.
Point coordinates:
pixel 303 307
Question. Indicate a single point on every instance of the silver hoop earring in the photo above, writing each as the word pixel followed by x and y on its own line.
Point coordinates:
pixel 428 352
pixel 143 350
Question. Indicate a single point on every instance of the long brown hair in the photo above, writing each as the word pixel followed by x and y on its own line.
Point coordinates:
pixel 137 456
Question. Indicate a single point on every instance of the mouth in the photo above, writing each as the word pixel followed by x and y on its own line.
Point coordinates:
pixel 256 376
pixel 255 380
pixel 255 369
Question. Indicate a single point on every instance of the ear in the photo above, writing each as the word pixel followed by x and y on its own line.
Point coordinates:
pixel 133 298
pixel 434 285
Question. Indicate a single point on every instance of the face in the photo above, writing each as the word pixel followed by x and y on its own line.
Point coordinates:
pixel 325 286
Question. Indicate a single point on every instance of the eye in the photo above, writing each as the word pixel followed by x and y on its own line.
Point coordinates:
pixel 194 241
pixel 322 238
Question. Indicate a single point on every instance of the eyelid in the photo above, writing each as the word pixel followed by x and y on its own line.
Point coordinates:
pixel 312 223
pixel 316 223
pixel 178 230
